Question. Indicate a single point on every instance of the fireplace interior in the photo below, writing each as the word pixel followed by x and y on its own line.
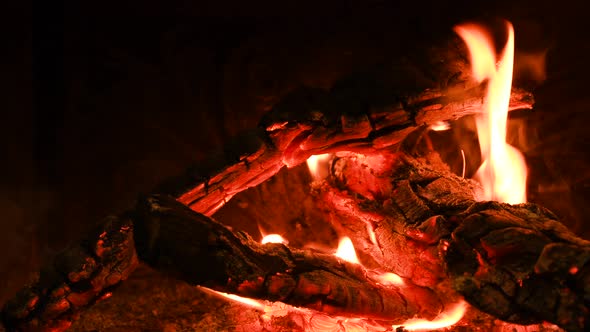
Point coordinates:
pixel 130 94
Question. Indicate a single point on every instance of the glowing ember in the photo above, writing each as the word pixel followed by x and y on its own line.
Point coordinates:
pixel 440 126
pixel 445 319
pixel 273 238
pixel 389 278
pixel 346 251
pixel 464 163
pixel 371 232
pixel 320 322
pixel 244 300
pixel 318 166
pixel 503 173
pixel 312 320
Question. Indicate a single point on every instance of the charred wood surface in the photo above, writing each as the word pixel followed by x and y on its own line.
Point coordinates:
pixel 516 262
pixel 172 237
pixel 365 112
pixel 77 278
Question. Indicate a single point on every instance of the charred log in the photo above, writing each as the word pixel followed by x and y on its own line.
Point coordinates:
pixel 365 112
pixel 516 262
pixel 171 237
pixel 77 278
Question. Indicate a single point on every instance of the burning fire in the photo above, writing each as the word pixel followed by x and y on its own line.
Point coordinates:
pixel 317 321
pixel 319 169
pixel 503 172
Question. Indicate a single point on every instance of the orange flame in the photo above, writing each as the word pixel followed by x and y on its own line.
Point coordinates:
pixel 273 238
pixel 445 319
pixel 318 166
pixel 503 172
pixel 346 251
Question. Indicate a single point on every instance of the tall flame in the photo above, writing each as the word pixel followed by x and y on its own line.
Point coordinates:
pixel 503 172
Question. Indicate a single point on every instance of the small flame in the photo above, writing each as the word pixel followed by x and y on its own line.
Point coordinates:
pixel 445 319
pixel 273 238
pixel 346 251
pixel 503 172
pixel 318 166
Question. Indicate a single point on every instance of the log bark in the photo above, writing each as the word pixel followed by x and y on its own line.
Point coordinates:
pixel 173 238
pixel 365 112
pixel 77 278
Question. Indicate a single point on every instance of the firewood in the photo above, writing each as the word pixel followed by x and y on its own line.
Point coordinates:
pixel 257 155
pixel 515 262
pixel 171 237
pixel 364 112
pixel 370 113
pixel 77 277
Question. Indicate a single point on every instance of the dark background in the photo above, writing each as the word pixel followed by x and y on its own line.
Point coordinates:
pixel 106 99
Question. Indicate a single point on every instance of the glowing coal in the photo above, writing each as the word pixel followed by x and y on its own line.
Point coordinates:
pixel 273 238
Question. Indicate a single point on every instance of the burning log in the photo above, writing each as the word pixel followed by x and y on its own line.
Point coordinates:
pixel 366 112
pixel 174 238
pixel 514 262
pixel 407 217
pixel 77 278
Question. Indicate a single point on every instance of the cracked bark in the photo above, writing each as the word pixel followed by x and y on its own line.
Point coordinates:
pixel 516 262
